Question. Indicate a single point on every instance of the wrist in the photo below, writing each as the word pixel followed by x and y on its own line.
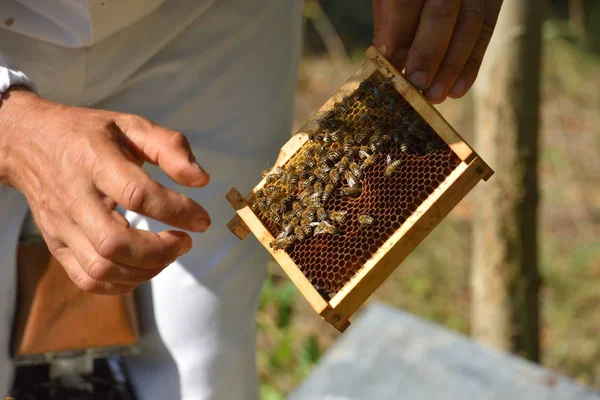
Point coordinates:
pixel 19 110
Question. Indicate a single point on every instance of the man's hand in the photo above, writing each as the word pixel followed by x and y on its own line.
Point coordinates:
pixel 441 43
pixel 74 165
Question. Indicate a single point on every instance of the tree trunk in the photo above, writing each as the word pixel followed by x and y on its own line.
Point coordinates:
pixel 505 279
pixel 577 21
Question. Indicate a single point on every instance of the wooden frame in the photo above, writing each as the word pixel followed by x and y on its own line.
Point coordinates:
pixel 388 257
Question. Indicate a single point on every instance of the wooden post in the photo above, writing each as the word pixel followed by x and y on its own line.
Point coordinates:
pixel 505 279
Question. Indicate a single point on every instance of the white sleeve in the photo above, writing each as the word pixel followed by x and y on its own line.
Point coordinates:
pixel 10 77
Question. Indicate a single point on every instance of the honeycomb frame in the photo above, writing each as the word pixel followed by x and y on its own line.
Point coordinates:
pixel 463 178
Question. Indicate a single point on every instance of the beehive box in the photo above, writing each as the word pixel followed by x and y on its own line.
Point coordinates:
pixel 392 168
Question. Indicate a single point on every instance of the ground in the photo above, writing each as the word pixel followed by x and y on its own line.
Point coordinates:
pixel 292 337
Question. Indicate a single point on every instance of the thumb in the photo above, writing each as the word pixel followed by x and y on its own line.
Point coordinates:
pixel 168 149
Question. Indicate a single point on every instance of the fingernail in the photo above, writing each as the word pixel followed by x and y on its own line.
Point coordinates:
pixel 459 88
pixel 187 246
pixel 435 94
pixel 382 49
pixel 419 79
pixel 201 225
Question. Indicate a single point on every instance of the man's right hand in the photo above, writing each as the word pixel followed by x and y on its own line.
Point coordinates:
pixel 74 165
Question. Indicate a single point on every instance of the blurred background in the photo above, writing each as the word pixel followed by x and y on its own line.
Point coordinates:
pixel 433 282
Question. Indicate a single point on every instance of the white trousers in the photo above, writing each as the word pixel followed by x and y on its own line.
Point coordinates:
pixel 226 82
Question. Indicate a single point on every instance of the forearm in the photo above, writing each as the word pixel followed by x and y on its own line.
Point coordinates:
pixel 17 104
pixel 16 95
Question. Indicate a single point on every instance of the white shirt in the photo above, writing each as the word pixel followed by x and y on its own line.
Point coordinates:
pixel 80 28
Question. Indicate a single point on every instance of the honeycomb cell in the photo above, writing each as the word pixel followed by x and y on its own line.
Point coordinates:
pixel 331 259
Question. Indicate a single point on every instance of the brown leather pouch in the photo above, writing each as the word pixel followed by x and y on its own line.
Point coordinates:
pixel 54 317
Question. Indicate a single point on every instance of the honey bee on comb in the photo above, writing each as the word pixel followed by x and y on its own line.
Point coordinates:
pixel 392 166
pixel 365 219
pixel 328 184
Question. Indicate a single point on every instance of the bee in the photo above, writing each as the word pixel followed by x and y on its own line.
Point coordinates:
pixel 334 176
pixel 263 205
pixel 275 208
pixel 353 191
pixel 288 217
pixel 309 214
pixel 297 208
pixel 351 179
pixel 288 228
pixel 306 226
pixel 321 174
pixel 372 103
pixel 361 138
pixel 392 166
pixel 365 85
pixel 432 146
pixel 338 216
pixel 275 193
pixel 255 207
pixel 321 150
pixel 370 160
pixel 276 218
pixel 335 136
pixel 355 169
pixel 326 227
pixel 366 219
pixel 348 143
pixel 304 193
pixel 308 181
pixel 388 83
pixel 329 188
pixel 318 186
pixel 342 165
pixel 343 108
pixel 333 156
pixel 286 203
pixel 315 198
pixel 317 137
pixel 397 135
pixel 260 193
pixel 311 162
pixel 299 233
pixel 330 115
pixel 292 179
pixel 392 104
pixel 404 146
pixel 272 178
pixel 376 143
pixel 321 214
pixel 333 123
pixel 283 243
pixel 368 117
pixel 265 172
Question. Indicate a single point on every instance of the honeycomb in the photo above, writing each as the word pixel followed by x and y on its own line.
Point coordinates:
pixel 379 159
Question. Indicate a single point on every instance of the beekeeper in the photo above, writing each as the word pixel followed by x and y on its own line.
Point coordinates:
pixel 80 81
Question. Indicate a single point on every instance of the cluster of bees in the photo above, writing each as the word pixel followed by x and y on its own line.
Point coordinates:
pixel 351 138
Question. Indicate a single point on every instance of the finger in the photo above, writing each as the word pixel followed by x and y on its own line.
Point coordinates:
pixel 166 148
pixel 121 244
pixel 120 218
pixel 400 22
pixel 101 269
pixel 469 73
pixel 68 261
pixel 133 189
pixel 431 41
pixel 379 21
pixel 466 32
